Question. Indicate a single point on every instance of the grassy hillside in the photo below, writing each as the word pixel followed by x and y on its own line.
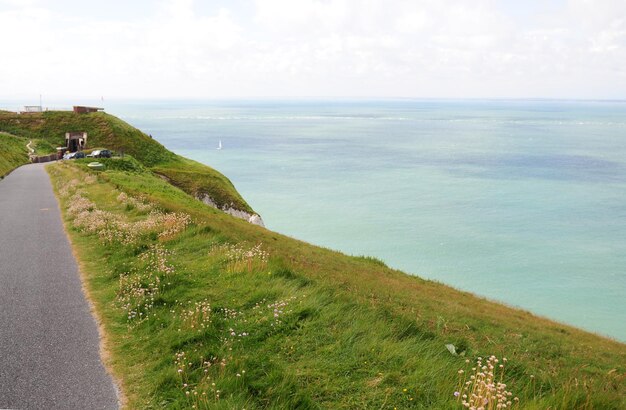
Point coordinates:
pixel 199 180
pixel 105 130
pixel 13 152
pixel 202 310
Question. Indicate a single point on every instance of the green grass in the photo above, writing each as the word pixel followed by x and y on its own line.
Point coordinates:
pixel 103 130
pixel 199 180
pixel 352 334
pixel 106 131
pixel 43 147
pixel 13 153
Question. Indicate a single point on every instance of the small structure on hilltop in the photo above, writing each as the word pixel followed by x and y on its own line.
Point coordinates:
pixel 32 108
pixel 75 141
pixel 79 109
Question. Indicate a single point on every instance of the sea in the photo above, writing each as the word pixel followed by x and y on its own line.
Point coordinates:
pixel 518 201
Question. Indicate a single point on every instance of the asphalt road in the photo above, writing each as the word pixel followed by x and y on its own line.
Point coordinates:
pixel 49 345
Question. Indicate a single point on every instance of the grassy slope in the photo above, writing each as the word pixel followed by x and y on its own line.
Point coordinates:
pixel 353 334
pixel 13 153
pixel 105 130
pixel 43 147
pixel 198 179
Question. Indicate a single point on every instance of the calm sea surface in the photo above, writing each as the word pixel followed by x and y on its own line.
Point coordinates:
pixel 519 201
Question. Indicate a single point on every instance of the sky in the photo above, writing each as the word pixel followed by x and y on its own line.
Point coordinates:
pixel 211 49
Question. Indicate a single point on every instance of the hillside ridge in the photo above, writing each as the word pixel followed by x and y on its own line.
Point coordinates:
pixel 105 130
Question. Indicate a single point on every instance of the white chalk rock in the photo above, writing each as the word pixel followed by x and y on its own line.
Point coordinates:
pixel 251 218
pixel 256 220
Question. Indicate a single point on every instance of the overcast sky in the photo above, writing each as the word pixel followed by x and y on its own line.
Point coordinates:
pixel 313 48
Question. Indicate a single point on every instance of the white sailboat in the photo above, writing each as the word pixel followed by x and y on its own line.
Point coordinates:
pixel 219 145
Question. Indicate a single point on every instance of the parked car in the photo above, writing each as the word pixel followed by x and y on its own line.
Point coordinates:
pixel 74 155
pixel 100 153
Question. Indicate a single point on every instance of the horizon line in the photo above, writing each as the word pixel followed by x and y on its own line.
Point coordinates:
pixel 311 98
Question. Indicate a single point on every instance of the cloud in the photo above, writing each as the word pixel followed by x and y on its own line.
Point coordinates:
pixel 66 54
pixel 448 48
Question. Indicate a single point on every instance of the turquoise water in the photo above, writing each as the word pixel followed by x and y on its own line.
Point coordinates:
pixel 519 201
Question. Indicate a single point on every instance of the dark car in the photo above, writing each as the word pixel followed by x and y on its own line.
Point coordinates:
pixel 100 153
pixel 74 155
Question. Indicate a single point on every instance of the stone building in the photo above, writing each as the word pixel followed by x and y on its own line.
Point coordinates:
pixel 75 141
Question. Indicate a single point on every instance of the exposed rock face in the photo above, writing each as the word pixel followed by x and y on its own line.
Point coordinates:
pixel 207 200
pixel 251 218
pixel 256 220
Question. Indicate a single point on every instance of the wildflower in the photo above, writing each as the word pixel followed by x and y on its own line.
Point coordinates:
pixel 480 388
